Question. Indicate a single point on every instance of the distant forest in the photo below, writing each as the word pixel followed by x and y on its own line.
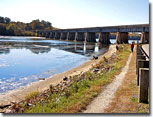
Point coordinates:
pixel 11 28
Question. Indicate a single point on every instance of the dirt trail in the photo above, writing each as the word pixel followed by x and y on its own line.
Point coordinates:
pixel 99 104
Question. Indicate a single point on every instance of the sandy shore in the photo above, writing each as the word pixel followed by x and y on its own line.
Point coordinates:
pixel 20 93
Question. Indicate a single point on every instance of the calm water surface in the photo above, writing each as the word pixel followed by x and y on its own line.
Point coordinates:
pixel 24 60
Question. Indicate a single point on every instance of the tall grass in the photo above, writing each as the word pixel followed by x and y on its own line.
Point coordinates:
pixel 32 95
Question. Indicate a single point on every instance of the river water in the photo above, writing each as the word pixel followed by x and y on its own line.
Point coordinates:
pixel 23 60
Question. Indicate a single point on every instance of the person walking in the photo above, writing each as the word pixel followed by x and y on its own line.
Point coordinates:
pixel 132 46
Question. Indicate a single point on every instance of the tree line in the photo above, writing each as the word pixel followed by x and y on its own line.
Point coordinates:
pixel 11 28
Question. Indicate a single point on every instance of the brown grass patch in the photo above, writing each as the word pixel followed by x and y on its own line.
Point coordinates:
pixel 126 97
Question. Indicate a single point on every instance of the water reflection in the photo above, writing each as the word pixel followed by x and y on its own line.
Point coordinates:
pixel 96 47
pixel 44 46
pixel 4 50
pixel 23 61
pixel 37 49
pixel 84 48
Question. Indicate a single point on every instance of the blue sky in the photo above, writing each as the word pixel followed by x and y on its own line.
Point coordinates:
pixel 77 13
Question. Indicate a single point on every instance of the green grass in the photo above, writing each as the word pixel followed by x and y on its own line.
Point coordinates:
pixel 134 99
pixel 32 95
pixel 82 92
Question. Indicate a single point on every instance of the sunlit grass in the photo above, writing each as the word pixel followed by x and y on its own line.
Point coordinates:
pixel 81 93
pixel 32 95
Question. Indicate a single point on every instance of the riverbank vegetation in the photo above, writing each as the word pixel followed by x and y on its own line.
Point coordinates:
pixel 12 28
pixel 74 93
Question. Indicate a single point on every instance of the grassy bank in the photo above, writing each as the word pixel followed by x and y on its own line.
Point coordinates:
pixel 73 94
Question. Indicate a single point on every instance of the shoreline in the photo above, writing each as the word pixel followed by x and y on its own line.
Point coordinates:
pixel 20 93
pixel 34 37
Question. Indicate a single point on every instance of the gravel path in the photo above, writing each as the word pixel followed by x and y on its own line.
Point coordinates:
pixel 99 104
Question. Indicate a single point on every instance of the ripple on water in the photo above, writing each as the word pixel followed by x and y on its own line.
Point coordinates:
pixel 26 60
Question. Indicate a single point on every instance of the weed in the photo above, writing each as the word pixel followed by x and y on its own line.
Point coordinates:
pixel 134 99
pixel 32 95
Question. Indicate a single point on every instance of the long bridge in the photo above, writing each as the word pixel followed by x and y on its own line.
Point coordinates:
pixel 89 34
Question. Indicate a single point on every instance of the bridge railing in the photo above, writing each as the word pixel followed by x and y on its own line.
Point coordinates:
pixel 144 52
pixel 142 71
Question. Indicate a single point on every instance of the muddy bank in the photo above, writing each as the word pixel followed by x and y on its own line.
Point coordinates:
pixel 20 93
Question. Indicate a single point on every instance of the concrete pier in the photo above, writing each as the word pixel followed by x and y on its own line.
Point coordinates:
pixel 52 35
pixel 144 37
pixel 43 34
pixel 63 36
pixel 104 38
pixel 47 34
pixel 67 37
pixel 71 36
pixel 57 35
pixel 76 35
pixel 122 37
pixel 90 37
pixel 80 36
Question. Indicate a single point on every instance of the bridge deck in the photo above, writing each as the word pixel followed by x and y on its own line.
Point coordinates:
pixel 122 28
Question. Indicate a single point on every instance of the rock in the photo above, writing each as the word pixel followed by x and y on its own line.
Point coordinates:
pixel 41 78
pixel 95 70
pixel 95 57
pixel 8 111
pixel 2 111
pixel 4 106
pixel 65 78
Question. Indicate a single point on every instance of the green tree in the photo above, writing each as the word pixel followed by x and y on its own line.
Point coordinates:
pixel 7 20
pixel 36 24
pixel 3 30
pixel 7 27
pixel 2 19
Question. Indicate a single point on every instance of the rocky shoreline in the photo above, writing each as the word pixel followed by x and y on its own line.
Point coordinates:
pixel 18 95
